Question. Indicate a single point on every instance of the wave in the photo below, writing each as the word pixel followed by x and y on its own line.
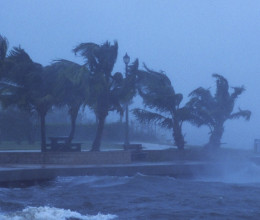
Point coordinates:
pixel 244 173
pixel 94 181
pixel 52 213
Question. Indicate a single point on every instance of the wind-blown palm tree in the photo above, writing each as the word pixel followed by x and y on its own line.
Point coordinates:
pixel 72 88
pixel 28 87
pixel 158 93
pixel 214 111
pixel 105 89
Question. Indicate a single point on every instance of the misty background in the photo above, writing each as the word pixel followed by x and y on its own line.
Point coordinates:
pixel 188 40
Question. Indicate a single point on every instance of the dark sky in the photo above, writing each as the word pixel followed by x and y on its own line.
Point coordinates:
pixel 188 39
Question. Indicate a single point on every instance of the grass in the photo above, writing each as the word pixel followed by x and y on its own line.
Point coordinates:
pixel 85 145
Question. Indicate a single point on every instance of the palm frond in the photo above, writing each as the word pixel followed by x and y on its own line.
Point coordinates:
pixel 133 68
pixel 145 116
pixel 89 51
pixel 201 93
pixel 17 54
pixel 160 77
pixel 178 98
pixel 156 90
pixel 237 91
pixel 246 114
pixel 222 87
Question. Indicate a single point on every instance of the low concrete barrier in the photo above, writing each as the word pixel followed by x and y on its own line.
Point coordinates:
pixel 73 158
pixel 46 172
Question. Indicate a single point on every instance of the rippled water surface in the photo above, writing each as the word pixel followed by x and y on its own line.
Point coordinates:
pixel 137 197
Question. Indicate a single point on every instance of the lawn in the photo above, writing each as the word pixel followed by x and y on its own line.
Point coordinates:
pixel 86 145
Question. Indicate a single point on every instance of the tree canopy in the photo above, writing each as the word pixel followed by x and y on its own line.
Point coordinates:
pixel 214 111
pixel 158 93
pixel 31 87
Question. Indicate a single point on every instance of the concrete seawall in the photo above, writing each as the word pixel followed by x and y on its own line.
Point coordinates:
pixel 45 172
pixel 31 166
pixel 68 158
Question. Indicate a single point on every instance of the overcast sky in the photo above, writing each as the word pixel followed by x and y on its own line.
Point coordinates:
pixel 188 39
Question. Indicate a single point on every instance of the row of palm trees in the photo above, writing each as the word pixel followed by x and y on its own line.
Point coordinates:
pixel 35 88
pixel 203 108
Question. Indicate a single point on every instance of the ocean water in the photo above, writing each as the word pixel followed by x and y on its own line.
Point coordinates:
pixel 233 195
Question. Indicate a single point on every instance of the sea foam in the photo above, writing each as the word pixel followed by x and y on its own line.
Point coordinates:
pixel 52 213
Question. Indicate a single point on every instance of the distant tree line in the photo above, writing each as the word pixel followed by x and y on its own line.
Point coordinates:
pixel 19 127
pixel 36 89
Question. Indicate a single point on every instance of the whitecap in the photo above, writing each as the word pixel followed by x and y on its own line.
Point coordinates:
pixel 52 213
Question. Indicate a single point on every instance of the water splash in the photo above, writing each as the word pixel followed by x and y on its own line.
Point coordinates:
pixel 243 173
pixel 52 213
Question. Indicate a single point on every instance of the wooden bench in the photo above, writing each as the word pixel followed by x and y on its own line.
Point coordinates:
pixel 61 144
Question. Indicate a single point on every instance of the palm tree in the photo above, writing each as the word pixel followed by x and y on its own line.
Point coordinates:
pixel 105 89
pixel 28 87
pixel 158 93
pixel 214 111
pixel 72 88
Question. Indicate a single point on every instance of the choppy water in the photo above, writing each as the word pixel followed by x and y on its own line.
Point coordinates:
pixel 233 196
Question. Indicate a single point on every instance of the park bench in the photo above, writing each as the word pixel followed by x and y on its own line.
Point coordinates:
pixel 61 144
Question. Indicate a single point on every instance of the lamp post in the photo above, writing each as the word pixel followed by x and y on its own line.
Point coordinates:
pixel 126 59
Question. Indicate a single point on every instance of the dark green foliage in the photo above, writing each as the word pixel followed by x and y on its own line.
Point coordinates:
pixel 71 89
pixel 158 93
pixel 28 86
pixel 105 90
pixel 214 111
pixel 17 125
pixel 130 84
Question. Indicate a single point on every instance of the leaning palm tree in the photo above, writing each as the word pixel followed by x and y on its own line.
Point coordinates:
pixel 158 94
pixel 214 111
pixel 105 89
pixel 28 87
pixel 72 88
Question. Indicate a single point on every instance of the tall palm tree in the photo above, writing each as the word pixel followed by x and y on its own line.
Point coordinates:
pixel 72 88
pixel 214 111
pixel 158 93
pixel 105 89
pixel 28 87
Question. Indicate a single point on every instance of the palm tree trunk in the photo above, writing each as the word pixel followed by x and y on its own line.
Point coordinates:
pixel 215 137
pixel 99 132
pixel 126 142
pixel 177 135
pixel 43 132
pixel 73 118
